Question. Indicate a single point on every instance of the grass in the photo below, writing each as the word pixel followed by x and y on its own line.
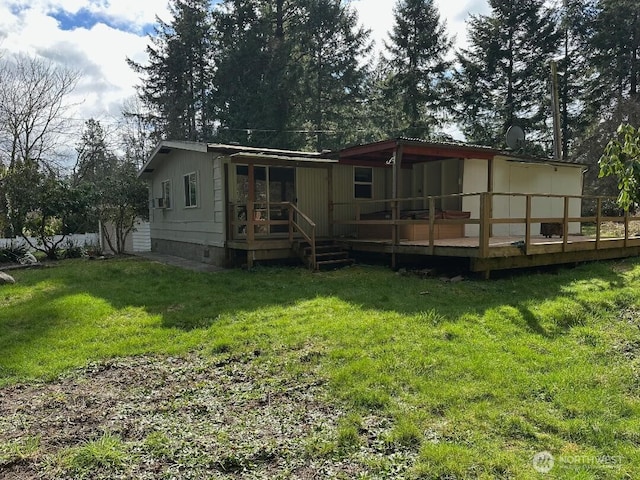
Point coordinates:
pixel 106 452
pixel 472 378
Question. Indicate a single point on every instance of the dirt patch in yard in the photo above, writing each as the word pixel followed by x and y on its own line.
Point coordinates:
pixel 187 417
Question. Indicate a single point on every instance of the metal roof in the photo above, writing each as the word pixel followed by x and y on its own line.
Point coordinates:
pixel 167 146
pixel 416 150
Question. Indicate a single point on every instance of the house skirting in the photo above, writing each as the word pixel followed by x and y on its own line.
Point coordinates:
pixel 192 251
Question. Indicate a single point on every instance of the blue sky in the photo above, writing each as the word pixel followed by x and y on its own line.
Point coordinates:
pixel 96 36
pixel 87 19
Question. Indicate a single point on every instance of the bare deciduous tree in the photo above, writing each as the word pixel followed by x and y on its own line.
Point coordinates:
pixel 33 106
pixel 137 133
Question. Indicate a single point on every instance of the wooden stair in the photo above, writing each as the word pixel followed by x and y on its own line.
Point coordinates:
pixel 329 255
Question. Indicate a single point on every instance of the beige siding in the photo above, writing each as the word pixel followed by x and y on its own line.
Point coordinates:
pixel 203 224
pixel 313 197
pixel 219 207
pixel 417 186
pixel 343 193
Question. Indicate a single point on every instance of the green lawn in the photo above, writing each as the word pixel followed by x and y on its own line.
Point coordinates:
pixel 474 378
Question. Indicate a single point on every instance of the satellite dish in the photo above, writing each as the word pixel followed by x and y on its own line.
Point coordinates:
pixel 515 137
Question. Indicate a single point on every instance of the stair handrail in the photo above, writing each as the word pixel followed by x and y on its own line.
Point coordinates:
pixel 295 226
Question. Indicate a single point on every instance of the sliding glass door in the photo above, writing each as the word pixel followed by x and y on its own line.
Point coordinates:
pixel 272 185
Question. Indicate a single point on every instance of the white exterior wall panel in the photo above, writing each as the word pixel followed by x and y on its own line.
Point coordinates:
pixel 476 173
pixel 518 177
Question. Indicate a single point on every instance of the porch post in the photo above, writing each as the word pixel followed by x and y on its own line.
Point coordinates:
pixel 330 196
pixel 485 222
pixel 251 205
pixel 527 227
pixel 395 205
pixel 490 189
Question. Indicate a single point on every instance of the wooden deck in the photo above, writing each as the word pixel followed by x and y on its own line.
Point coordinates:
pixel 507 252
pixel 485 251
pixel 510 244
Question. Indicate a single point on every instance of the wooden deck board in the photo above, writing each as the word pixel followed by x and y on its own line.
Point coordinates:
pixel 504 251
pixel 510 241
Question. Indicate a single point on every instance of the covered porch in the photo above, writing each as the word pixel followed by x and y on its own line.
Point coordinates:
pixel 278 205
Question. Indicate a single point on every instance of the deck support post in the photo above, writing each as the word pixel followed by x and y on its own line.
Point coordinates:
pixel 527 227
pixel 432 225
pixel 251 231
pixel 395 205
pixel 565 224
pixel 598 221
pixel 394 232
pixel 490 189
pixel 626 228
pixel 290 208
pixel 330 195
pixel 485 224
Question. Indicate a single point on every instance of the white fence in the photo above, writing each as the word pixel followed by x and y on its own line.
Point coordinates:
pixel 79 240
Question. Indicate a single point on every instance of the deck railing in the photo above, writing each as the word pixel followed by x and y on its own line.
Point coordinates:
pixel 299 222
pixel 482 207
pixel 251 223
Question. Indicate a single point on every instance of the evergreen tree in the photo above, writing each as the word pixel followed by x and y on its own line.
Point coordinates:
pixel 418 48
pixel 95 160
pixel 333 79
pixel 286 67
pixel 503 76
pixel 383 118
pixel 609 95
pixel 575 18
pixel 177 80
pixel 615 57
pixel 256 75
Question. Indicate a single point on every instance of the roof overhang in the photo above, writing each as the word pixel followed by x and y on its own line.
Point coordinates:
pixel 163 149
pixel 251 154
pixel 413 151
pixel 540 161
pixel 421 151
pixel 281 160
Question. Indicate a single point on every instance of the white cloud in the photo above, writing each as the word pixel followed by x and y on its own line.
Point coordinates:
pixel 99 52
pixel 135 14
pixel 378 16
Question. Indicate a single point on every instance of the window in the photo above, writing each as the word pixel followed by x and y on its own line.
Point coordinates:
pixel 166 194
pixel 363 182
pixel 191 190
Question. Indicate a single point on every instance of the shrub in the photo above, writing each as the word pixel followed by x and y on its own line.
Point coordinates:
pixel 71 250
pixel 93 250
pixel 12 253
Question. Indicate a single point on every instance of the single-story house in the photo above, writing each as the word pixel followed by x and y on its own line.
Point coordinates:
pixel 225 204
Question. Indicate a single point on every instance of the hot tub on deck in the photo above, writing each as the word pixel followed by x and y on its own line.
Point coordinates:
pixel 418 231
